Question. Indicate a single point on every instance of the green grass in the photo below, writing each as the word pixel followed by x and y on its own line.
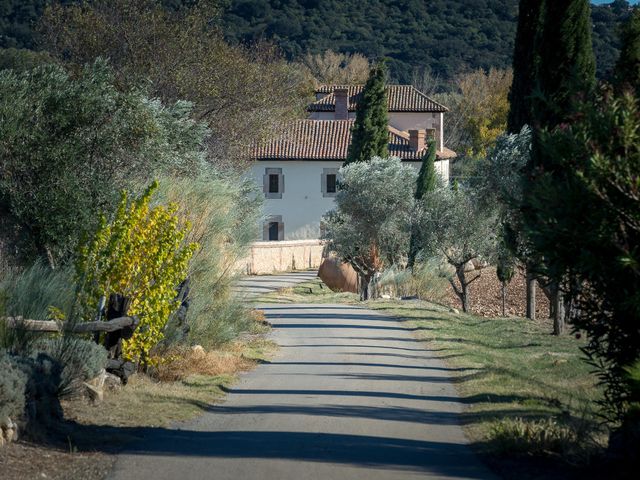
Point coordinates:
pixel 519 368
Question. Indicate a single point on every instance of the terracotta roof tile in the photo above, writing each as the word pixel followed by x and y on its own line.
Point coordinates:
pixel 401 98
pixel 329 140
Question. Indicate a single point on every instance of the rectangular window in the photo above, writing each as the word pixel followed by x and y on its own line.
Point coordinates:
pixel 331 183
pixel 273 231
pixel 274 183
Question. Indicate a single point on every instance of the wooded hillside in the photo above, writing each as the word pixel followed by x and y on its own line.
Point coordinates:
pixel 445 36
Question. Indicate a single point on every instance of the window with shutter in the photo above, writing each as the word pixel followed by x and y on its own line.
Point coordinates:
pixel 273 183
pixel 329 182
pixel 273 229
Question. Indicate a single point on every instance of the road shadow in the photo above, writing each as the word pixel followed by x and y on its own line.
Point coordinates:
pixel 439 458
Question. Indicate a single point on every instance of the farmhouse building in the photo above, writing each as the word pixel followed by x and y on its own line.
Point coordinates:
pixel 297 170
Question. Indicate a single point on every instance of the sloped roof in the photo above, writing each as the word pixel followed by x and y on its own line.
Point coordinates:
pixel 400 98
pixel 329 140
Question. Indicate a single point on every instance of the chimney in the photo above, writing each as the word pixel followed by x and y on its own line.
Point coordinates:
pixel 341 96
pixel 417 139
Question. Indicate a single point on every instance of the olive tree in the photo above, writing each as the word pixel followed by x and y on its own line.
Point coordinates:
pixel 371 224
pixel 71 143
pixel 455 225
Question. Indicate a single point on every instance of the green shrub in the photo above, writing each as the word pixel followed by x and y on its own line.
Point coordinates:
pixel 13 382
pixel 141 254
pixel 223 214
pixel 80 360
pixel 33 293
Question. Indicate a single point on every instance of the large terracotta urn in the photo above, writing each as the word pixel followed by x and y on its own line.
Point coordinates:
pixel 338 276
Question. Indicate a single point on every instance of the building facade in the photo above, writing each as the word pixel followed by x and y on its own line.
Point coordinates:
pixel 297 171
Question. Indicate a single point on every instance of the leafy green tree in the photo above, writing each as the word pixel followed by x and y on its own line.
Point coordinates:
pixel 456 227
pixel 524 65
pixel 243 93
pixel 588 230
pixel 70 144
pixel 369 228
pixel 627 72
pixel 428 181
pixel 370 136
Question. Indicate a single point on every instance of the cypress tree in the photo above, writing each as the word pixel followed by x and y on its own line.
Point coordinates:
pixel 530 16
pixel 566 64
pixel 370 135
pixel 565 71
pixel 524 72
pixel 427 177
pixel 627 71
pixel 427 182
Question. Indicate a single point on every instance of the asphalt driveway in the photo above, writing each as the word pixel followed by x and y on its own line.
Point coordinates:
pixel 351 395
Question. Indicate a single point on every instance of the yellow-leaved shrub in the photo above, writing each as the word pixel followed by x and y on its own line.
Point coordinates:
pixel 142 254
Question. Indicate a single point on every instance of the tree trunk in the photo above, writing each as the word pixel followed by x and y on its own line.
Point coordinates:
pixel 558 311
pixel 364 287
pixel 504 299
pixel 465 298
pixel 531 295
pixel 463 293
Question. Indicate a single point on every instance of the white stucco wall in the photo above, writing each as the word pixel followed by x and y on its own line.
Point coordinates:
pixel 302 204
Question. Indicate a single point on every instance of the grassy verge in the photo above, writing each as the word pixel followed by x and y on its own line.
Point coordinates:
pixel 530 396
pixel 314 291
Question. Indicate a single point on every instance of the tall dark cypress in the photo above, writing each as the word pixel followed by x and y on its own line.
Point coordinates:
pixel 627 72
pixel 427 177
pixel 370 135
pixel 524 71
pixel 566 64
pixel 565 71
pixel 427 182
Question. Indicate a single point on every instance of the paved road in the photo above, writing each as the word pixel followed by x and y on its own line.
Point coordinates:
pixel 351 395
pixel 253 286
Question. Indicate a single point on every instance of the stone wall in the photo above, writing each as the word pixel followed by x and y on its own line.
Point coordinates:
pixel 283 256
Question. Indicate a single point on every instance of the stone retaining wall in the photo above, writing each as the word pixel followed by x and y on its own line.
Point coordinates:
pixel 282 256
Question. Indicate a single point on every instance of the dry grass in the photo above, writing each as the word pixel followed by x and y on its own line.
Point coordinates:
pixel 181 363
pixel 180 389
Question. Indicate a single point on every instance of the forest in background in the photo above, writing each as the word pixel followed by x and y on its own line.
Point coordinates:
pixel 444 37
